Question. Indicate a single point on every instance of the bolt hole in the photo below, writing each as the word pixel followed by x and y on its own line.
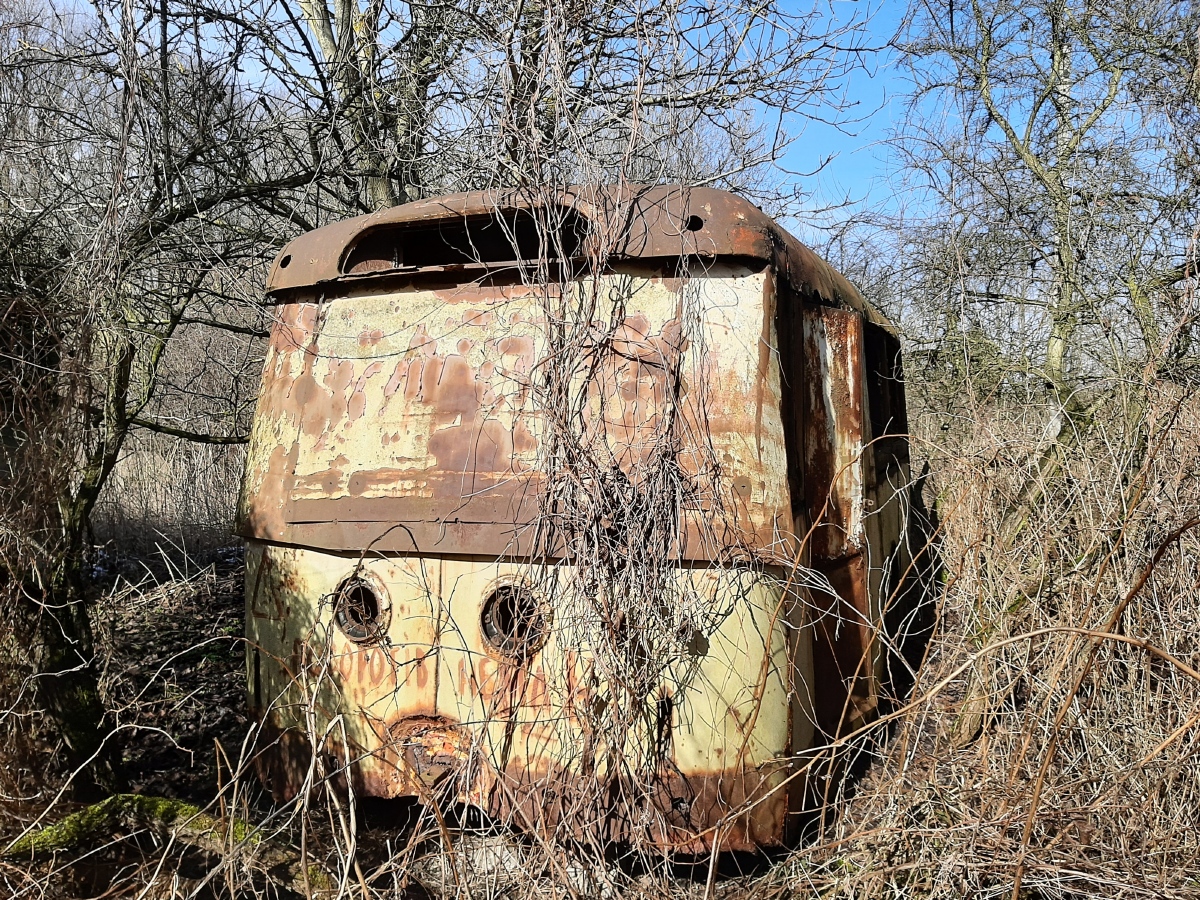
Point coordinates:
pixel 358 611
pixel 693 223
pixel 286 261
pixel 512 622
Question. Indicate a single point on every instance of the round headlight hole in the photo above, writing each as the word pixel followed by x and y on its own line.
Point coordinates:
pixel 512 620
pixel 358 611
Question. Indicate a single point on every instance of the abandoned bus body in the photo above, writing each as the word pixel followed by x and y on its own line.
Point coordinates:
pixel 394 507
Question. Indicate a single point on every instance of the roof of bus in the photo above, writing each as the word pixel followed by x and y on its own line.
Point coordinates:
pixel 633 222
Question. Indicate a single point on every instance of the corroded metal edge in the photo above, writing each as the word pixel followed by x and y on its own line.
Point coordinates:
pixel 639 222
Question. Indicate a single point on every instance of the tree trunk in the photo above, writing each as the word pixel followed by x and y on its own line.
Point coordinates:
pixel 68 679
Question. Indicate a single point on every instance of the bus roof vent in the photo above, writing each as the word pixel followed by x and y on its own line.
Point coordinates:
pixel 504 237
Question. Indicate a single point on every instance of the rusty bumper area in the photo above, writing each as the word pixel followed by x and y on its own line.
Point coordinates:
pixel 435 761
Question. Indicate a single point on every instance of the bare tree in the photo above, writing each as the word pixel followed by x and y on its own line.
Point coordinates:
pixel 145 209
pixel 1053 259
pixel 164 151
pixel 411 99
pixel 1055 174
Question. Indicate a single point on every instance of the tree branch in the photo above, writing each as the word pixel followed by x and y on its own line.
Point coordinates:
pixel 225 326
pixel 193 436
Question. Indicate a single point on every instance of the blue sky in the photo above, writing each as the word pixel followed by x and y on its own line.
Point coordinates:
pixel 858 169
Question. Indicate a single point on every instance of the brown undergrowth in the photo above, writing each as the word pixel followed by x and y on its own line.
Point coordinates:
pixel 1050 745
pixel 1048 749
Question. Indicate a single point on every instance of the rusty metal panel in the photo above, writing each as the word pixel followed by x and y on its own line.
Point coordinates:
pixel 409 421
pixel 663 222
pixel 433 704
pixel 660 222
pixel 837 466
pixel 833 438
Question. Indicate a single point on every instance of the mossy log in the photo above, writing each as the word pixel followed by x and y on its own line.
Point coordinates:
pixel 185 823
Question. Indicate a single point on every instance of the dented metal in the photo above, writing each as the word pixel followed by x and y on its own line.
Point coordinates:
pixel 399 440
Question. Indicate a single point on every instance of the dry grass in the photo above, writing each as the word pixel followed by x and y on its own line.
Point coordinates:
pixel 166 491
pixel 1076 645
pixel 1048 749
pixel 1052 732
pixel 1052 736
